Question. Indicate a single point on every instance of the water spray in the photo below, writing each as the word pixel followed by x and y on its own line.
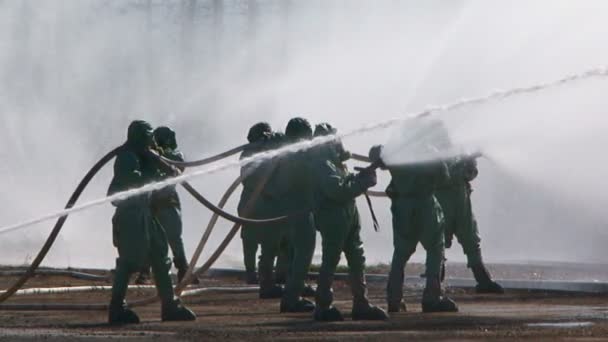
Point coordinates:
pixel 305 145
pixel 71 208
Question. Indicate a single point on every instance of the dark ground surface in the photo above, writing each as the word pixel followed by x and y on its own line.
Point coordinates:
pixel 243 317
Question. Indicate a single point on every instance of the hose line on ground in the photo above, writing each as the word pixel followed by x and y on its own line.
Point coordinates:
pixel 58 225
pixel 100 307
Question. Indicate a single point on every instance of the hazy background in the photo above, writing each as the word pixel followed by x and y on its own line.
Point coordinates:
pixel 74 73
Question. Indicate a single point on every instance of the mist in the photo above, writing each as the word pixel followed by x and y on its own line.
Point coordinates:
pixel 74 73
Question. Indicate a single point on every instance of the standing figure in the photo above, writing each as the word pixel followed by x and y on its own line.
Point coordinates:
pixel 417 218
pixel 337 219
pixel 137 235
pixel 268 237
pixel 295 191
pixel 166 205
pixel 454 195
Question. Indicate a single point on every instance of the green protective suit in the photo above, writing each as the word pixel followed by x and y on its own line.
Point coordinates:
pixel 167 209
pixel 455 199
pixel 337 219
pixel 137 234
pixel 267 237
pixel 283 260
pixel 294 189
pixel 417 217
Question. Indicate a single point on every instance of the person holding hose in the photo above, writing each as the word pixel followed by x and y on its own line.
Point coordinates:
pixel 137 234
pixel 295 191
pixel 166 205
pixel 454 195
pixel 337 219
pixel 268 237
pixel 417 218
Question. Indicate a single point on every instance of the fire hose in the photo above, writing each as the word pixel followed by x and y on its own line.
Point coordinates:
pixel 216 210
pixel 76 194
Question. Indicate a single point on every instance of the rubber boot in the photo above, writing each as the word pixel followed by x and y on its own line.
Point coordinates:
pixel 302 305
pixel 433 299
pixel 485 284
pixel 362 309
pixel 281 278
pixel 397 307
pixel 119 313
pixel 330 314
pixel 251 278
pixel 268 289
pixel 324 297
pixel 174 310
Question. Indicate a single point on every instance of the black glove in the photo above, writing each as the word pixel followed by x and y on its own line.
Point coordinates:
pixel 367 178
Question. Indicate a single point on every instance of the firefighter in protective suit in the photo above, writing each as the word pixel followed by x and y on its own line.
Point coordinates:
pixel 268 237
pixel 166 206
pixel 337 219
pixel 417 218
pixel 137 235
pixel 454 195
pixel 295 191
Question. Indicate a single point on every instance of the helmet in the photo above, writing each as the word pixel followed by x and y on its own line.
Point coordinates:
pixel 139 135
pixel 298 128
pixel 259 131
pixel 375 153
pixel 324 129
pixel 165 137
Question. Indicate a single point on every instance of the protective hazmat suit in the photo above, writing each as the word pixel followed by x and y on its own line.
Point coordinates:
pixel 454 195
pixel 268 237
pixel 417 218
pixel 337 219
pixel 137 235
pixel 295 191
pixel 166 205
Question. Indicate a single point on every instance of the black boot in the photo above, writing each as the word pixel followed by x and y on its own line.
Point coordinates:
pixel 119 313
pixel 362 310
pixel 268 288
pixel 251 278
pixel 281 278
pixel 331 314
pixel 433 299
pixel 368 313
pixel 302 305
pixel 485 284
pixel 272 292
pixel 397 307
pixel 174 310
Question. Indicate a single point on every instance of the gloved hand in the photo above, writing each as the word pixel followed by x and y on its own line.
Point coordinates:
pixel 154 156
pixel 367 178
